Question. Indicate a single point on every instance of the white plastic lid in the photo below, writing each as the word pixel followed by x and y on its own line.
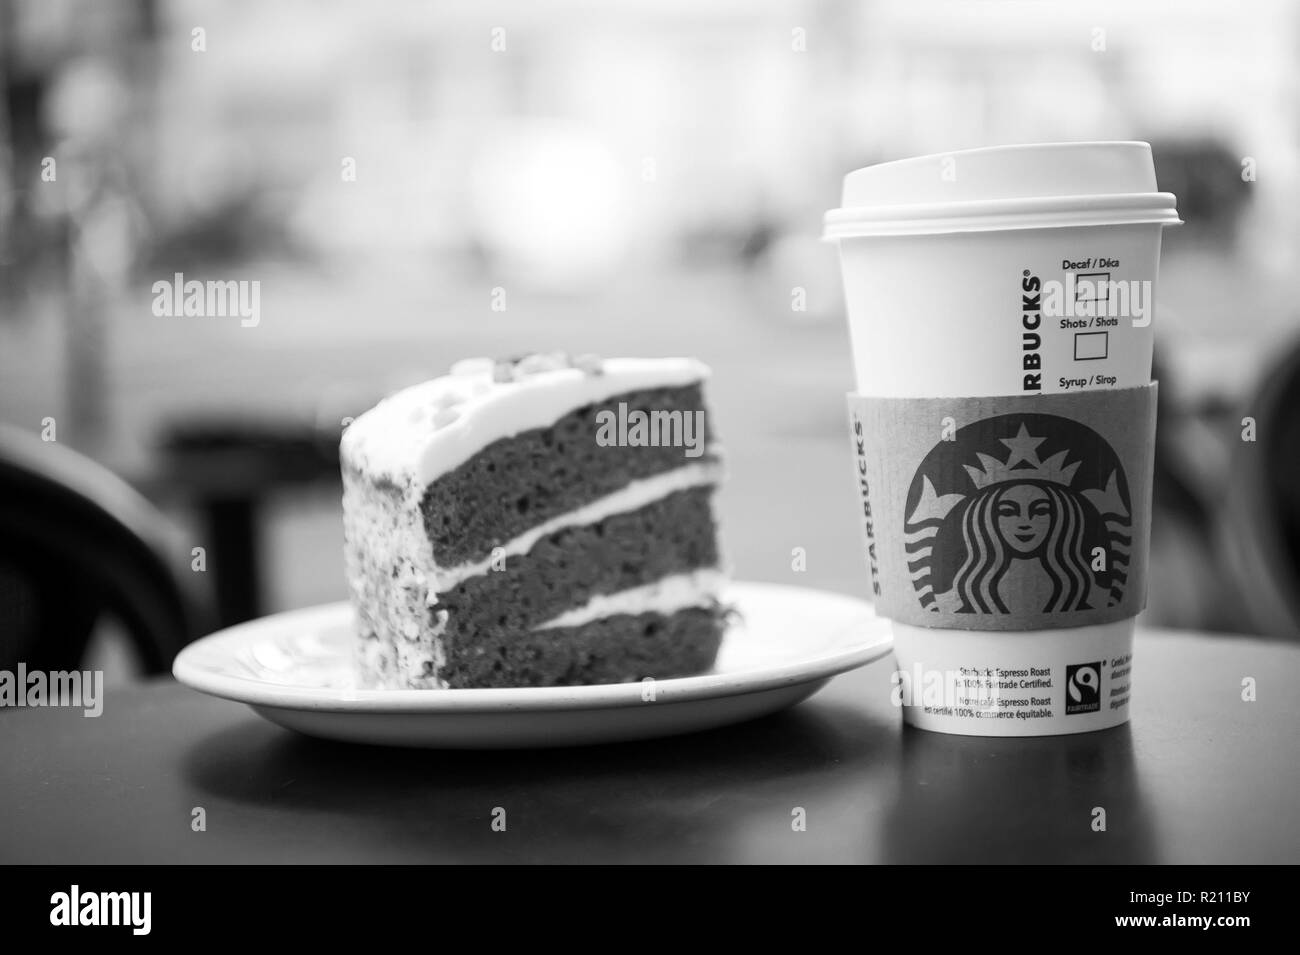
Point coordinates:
pixel 1042 186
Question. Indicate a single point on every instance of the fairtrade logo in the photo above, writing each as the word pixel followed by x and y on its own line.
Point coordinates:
pixel 1083 688
pixel 1021 513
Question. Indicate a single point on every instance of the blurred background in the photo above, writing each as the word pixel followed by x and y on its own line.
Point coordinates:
pixel 412 183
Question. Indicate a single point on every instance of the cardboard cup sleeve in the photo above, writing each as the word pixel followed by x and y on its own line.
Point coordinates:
pixel 1006 513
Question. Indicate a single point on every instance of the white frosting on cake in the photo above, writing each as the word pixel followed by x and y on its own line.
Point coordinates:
pixel 631 497
pixel 667 595
pixel 427 430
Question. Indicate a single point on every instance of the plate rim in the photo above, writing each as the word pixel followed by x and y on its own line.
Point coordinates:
pixel 702 686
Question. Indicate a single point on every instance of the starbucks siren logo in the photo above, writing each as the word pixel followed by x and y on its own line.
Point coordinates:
pixel 1020 513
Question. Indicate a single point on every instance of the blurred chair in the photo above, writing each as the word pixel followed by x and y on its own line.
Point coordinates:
pixel 227 467
pixel 76 542
pixel 1227 538
pixel 1258 522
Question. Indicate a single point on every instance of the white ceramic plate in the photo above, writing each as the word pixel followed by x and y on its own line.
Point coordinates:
pixel 295 669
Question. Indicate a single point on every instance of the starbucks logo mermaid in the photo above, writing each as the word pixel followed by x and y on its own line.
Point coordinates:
pixel 1019 514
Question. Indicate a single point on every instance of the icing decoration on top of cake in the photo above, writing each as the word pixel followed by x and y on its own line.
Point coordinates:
pixel 422 432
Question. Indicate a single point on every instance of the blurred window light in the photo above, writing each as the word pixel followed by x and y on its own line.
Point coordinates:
pixel 548 203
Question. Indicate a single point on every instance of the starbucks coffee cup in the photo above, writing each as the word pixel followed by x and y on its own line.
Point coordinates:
pixel 1000 305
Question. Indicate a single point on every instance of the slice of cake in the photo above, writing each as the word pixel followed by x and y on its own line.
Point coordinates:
pixel 537 522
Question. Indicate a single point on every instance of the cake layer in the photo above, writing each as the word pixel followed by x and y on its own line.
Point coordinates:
pixel 420 433
pixel 569 568
pixel 516 483
pixel 611 650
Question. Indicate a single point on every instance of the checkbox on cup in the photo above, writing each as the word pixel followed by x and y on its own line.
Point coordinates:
pixel 1092 287
pixel 1091 346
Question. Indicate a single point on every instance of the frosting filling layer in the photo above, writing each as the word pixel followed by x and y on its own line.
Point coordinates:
pixel 698 588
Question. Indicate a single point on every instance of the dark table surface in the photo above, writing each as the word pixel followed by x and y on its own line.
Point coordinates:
pixel 1200 775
